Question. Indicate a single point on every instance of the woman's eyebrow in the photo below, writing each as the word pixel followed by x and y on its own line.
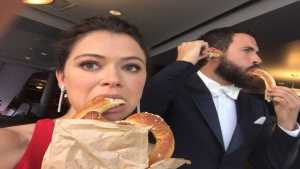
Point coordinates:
pixel 102 57
pixel 89 55
pixel 133 58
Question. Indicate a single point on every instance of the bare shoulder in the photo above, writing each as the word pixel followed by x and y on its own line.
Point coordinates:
pixel 13 143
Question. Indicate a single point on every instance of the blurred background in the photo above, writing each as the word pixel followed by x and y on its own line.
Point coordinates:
pixel 28 89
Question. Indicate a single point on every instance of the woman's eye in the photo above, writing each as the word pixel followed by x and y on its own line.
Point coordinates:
pixel 132 67
pixel 90 66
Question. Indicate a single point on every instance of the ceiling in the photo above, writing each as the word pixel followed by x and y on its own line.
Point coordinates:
pixel 277 33
pixel 158 20
pixel 29 43
pixel 164 24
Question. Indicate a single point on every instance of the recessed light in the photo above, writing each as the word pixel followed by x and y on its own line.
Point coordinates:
pixel 27 57
pixel 115 12
pixel 44 53
pixel 38 2
pixel 39 87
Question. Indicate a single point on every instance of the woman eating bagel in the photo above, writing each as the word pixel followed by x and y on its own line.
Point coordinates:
pixel 101 62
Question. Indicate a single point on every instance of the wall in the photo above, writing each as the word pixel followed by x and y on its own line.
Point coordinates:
pixel 12 79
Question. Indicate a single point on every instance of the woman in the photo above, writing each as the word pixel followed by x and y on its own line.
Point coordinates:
pixel 100 57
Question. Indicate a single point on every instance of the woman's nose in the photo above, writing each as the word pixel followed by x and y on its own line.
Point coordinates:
pixel 111 78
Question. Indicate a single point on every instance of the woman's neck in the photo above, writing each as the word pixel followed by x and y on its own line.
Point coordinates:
pixel 71 112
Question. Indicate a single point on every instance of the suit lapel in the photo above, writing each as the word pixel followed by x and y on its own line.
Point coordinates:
pixel 243 108
pixel 204 102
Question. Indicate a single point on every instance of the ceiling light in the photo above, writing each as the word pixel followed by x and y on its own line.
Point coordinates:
pixel 115 12
pixel 27 57
pixel 39 87
pixel 44 53
pixel 38 2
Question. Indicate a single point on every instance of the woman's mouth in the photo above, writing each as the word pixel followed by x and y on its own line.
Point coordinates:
pixel 100 106
pixel 114 110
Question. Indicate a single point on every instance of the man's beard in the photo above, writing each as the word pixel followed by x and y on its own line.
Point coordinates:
pixel 239 77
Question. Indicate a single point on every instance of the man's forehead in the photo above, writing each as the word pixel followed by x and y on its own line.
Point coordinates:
pixel 245 40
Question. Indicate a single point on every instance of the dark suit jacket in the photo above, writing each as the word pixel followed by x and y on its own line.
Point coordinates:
pixel 180 96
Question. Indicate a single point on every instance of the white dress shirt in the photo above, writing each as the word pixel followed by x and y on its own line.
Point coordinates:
pixel 224 99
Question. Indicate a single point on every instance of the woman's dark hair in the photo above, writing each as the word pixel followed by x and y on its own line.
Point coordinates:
pixel 111 24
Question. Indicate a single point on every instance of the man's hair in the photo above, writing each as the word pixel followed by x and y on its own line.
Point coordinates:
pixel 221 38
pixel 112 24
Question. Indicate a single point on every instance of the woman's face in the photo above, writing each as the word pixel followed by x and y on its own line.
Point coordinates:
pixel 102 63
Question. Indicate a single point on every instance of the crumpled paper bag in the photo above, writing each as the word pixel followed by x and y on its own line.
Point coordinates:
pixel 90 144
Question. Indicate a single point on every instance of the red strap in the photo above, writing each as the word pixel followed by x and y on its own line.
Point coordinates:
pixel 33 156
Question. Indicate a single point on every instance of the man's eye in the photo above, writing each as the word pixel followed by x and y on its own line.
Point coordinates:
pixel 132 67
pixel 247 50
pixel 90 66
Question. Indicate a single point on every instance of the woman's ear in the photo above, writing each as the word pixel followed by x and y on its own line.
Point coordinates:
pixel 60 78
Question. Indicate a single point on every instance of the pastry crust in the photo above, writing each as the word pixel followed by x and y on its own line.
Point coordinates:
pixel 94 108
pixel 267 78
pixel 214 53
pixel 165 143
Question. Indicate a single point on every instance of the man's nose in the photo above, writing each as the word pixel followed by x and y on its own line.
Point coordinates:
pixel 256 59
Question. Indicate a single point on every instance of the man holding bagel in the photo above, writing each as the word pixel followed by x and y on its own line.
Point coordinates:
pixel 216 123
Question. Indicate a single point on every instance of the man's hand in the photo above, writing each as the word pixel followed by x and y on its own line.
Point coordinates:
pixel 192 51
pixel 286 105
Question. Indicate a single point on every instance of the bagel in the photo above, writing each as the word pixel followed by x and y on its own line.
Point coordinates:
pixel 267 78
pixel 165 142
pixel 94 108
pixel 214 53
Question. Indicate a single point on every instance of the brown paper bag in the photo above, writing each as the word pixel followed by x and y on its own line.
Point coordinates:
pixel 90 144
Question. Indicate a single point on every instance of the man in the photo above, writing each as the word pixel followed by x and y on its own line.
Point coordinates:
pixel 216 124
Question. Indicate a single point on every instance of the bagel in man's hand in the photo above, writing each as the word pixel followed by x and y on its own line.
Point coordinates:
pixel 214 53
pixel 267 78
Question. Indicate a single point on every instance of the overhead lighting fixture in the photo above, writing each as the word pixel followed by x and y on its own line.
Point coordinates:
pixel 39 87
pixel 44 53
pixel 27 57
pixel 38 2
pixel 115 12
